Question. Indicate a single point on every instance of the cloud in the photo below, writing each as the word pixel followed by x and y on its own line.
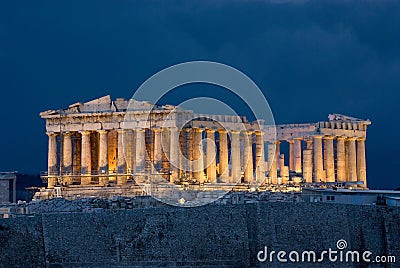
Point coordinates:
pixel 309 57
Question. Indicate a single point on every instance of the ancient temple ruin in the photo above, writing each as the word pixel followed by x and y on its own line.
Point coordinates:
pixel 91 144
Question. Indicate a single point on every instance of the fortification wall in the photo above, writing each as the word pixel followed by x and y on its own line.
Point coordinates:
pixel 21 242
pixel 208 236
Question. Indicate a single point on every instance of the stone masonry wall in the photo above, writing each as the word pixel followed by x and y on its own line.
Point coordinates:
pixel 208 236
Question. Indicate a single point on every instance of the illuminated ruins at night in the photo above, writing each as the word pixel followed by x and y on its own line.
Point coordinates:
pixel 93 145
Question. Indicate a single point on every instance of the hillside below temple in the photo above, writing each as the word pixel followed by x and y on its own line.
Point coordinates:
pixel 86 143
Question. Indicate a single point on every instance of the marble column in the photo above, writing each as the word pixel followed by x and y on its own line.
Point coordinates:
pixel 284 174
pixel 278 153
pixel 272 162
pixel 157 161
pixel 281 161
pixel 248 172
pixel 86 160
pixel 67 153
pixel 329 159
pixel 210 156
pixel 140 150
pixel 340 159
pixel 198 160
pixel 121 162
pixel 297 157
pixel 52 160
pixel 309 144
pixel 165 142
pixel 318 163
pixel 129 147
pixel 291 154
pixel 77 143
pixel 188 163
pixel 346 159
pixel 307 166
pixel 103 157
pixel 260 159
pixel 67 157
pixel 174 154
pixel 352 159
pixel 235 157
pixel 361 163
pixel 223 156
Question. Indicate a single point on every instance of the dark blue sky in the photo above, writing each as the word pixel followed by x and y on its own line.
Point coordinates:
pixel 309 58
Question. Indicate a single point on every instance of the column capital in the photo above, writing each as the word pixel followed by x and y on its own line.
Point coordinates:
pixel 210 130
pixel 222 131
pixel 298 139
pixel 361 139
pixel 51 134
pixel 259 133
pixel 139 129
pixel 157 129
pixel 102 131
pixel 198 129
pixel 328 137
pixel 85 132
pixel 351 138
pixel 234 131
pixel 247 132
pixel 290 141
pixel 172 128
pixel 341 137
pixel 317 136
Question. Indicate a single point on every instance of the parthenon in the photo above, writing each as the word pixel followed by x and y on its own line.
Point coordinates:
pixel 96 144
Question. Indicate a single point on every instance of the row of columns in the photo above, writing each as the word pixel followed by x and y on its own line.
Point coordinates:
pixel 70 154
pixel 316 163
pixel 80 152
pixel 205 159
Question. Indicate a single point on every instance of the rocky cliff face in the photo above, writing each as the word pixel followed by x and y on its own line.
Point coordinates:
pixel 208 236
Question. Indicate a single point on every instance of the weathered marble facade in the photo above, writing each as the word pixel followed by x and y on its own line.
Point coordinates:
pixel 86 144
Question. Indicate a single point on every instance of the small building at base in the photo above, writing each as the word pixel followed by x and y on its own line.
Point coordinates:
pixel 6 194
pixel 353 197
